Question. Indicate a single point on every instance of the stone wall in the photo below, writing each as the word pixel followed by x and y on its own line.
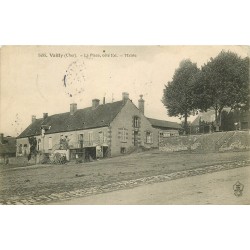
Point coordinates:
pixel 220 141
pixel 240 140
pixel 179 143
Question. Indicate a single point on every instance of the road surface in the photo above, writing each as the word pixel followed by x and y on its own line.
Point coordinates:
pixel 210 188
pixel 42 184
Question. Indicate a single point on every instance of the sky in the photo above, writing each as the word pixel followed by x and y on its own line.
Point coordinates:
pixel 46 79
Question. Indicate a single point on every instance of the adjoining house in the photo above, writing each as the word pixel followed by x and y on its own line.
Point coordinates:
pixel 244 120
pixel 7 148
pixel 230 120
pixel 102 130
pixel 166 128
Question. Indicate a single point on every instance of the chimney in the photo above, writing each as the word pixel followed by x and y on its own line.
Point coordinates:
pixel 95 103
pixel 141 104
pixel 33 118
pixel 125 97
pixel 45 115
pixel 1 138
pixel 104 100
pixel 73 108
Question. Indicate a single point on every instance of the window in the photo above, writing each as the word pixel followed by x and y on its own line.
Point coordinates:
pixel 25 149
pixel 90 137
pixel 50 142
pixel 136 121
pixel 123 134
pixel 149 137
pixel 81 140
pixel 20 149
pixel 101 137
pixel 166 134
pixel 123 150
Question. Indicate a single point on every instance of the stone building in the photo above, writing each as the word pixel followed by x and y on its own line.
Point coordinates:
pixel 101 130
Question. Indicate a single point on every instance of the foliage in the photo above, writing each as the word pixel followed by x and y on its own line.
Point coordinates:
pixel 222 82
pixel 33 143
pixel 59 158
pixel 64 143
pixel 178 95
pixel 45 158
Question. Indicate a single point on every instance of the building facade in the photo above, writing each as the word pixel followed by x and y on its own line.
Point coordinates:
pixel 102 130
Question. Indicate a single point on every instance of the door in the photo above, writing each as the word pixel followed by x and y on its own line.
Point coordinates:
pixel 136 138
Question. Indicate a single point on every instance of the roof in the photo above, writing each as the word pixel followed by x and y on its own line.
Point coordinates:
pixel 9 145
pixel 85 118
pixel 164 124
pixel 208 116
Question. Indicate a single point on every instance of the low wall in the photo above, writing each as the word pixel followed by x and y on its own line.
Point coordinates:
pixel 239 141
pixel 219 141
pixel 180 143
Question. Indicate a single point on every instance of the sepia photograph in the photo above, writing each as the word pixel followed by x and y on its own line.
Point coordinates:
pixel 125 125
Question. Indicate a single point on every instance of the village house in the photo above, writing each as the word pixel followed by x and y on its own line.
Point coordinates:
pixel 102 130
pixel 230 120
pixel 7 148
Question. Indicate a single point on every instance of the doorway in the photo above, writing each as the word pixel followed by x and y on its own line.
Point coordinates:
pixel 136 138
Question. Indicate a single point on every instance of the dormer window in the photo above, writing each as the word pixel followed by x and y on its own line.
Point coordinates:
pixel 136 122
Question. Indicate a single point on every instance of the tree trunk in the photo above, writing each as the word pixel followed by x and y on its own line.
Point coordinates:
pixel 218 111
pixel 219 117
pixel 185 124
pixel 216 115
pixel 217 127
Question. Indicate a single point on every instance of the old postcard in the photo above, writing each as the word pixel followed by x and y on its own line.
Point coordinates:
pixel 124 125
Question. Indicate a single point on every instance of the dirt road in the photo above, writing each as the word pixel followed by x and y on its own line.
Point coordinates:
pixel 41 184
pixel 211 188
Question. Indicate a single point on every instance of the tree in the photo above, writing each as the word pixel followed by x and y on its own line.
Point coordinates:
pixel 33 144
pixel 223 82
pixel 178 95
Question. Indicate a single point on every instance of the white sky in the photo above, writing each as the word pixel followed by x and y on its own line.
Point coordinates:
pixel 32 85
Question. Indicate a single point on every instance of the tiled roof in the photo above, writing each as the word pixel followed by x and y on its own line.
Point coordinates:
pixel 164 124
pixel 9 145
pixel 204 116
pixel 208 116
pixel 81 119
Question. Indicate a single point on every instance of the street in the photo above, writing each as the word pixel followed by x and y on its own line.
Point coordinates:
pixel 45 184
pixel 212 188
